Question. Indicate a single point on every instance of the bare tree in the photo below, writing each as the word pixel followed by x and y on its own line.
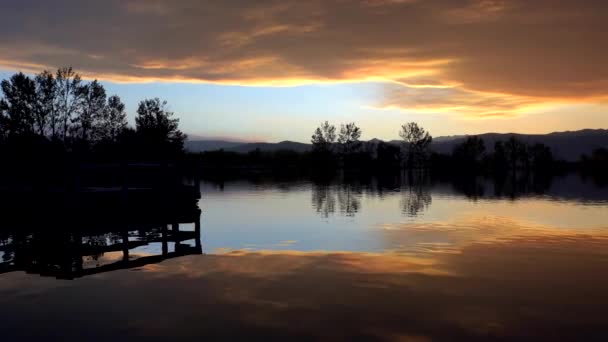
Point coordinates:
pixel 68 84
pixel 92 108
pixel 324 137
pixel 417 143
pixel 349 138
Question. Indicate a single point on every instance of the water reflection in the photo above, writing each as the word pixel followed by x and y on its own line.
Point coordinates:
pixel 525 288
pixel 323 199
pixel 352 213
pixel 504 186
pixel 346 195
pixel 394 258
pixel 415 195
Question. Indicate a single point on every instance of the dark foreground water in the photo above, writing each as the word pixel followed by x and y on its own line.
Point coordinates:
pixel 389 259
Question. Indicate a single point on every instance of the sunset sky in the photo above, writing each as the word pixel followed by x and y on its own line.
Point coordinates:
pixel 272 70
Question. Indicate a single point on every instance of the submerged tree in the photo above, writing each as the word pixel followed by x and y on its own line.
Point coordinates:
pixel 349 138
pixel 500 162
pixel 324 138
pixel 417 143
pixel 388 156
pixel 470 153
pixel 541 157
pixel 516 153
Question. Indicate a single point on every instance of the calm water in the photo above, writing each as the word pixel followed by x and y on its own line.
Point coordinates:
pixel 394 215
pixel 377 259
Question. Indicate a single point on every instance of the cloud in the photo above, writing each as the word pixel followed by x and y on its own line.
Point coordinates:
pixel 478 11
pixel 454 100
pixel 543 51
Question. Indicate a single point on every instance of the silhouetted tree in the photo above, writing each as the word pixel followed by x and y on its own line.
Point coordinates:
pixel 3 120
pixel 469 153
pixel 324 138
pixel 48 120
pixel 541 157
pixel 596 166
pixel 18 105
pixel 417 144
pixel 45 110
pixel 516 153
pixel 68 84
pixel 113 120
pixel 349 138
pixel 157 128
pixel 388 156
pixel 500 162
pixel 599 158
pixel 91 110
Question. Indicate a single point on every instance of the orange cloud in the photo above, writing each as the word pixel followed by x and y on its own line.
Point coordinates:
pixel 479 58
pixel 456 100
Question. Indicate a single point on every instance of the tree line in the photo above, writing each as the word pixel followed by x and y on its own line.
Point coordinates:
pixel 50 115
pixel 340 147
pixel 61 112
pixel 471 156
pixel 330 146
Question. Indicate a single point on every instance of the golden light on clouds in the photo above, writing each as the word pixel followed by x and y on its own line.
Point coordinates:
pixel 473 58
pixel 456 100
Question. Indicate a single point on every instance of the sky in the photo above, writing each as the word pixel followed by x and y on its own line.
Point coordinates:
pixel 270 70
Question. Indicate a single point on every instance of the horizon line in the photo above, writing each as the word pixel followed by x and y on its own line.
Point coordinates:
pixel 255 141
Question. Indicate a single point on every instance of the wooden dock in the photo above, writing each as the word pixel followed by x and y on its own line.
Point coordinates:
pixel 105 210
pixel 62 253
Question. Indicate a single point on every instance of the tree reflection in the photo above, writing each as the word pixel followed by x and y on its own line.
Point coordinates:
pixel 345 195
pixel 415 194
pixel 414 190
pixel 349 199
pixel 473 187
pixel 323 199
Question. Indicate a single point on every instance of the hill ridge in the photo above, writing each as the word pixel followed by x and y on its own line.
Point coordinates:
pixel 561 143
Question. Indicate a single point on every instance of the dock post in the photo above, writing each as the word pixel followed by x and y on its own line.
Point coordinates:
pixel 164 239
pixel 125 244
pixel 197 232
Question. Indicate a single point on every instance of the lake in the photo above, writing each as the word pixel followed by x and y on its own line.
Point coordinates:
pixel 390 258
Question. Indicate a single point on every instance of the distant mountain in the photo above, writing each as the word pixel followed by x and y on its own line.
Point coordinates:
pixel 240 147
pixel 449 138
pixel 210 145
pixel 565 145
pixel 271 147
